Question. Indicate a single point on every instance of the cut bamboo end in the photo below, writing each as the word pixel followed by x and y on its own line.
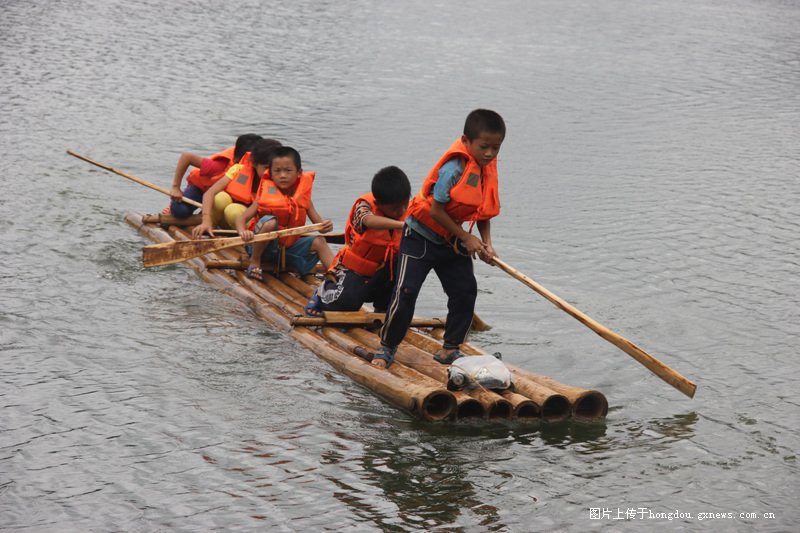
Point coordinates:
pixel 438 405
pixel 470 408
pixel 527 411
pixel 501 409
pixel 523 408
pixel 555 408
pixel 591 405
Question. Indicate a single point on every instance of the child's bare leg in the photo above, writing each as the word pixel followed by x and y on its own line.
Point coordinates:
pixel 258 247
pixel 320 246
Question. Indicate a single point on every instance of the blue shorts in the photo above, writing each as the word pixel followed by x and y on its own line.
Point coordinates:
pixel 299 255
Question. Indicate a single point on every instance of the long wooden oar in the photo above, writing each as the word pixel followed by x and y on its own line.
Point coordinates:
pixel 167 253
pixel 654 365
pixel 133 178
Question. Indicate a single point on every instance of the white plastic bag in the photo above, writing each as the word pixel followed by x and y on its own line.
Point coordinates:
pixel 488 371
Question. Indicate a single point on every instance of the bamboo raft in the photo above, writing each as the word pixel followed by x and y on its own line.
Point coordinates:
pixel 415 382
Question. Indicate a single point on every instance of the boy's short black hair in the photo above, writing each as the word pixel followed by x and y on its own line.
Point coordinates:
pixel 262 151
pixel 390 186
pixel 483 121
pixel 244 144
pixel 287 151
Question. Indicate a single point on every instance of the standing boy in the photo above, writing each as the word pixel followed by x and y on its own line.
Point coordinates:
pixel 461 187
pixel 363 269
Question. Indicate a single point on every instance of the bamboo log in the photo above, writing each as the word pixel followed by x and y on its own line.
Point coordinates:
pixel 171 220
pixel 428 402
pixel 478 324
pixel 228 264
pixel 231 286
pixel 586 404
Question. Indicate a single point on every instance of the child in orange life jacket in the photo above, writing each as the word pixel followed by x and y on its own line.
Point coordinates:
pixel 284 201
pixel 461 187
pixel 231 194
pixel 206 172
pixel 363 268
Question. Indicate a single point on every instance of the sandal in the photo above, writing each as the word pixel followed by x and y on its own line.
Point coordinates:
pixel 254 272
pixel 449 358
pixel 386 354
pixel 312 306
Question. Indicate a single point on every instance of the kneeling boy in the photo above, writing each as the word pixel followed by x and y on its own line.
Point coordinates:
pixel 362 270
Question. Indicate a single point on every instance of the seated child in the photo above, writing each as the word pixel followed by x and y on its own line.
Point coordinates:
pixel 461 187
pixel 284 201
pixel 231 194
pixel 362 270
pixel 206 172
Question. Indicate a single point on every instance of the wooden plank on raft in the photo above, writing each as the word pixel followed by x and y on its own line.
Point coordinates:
pixel 360 318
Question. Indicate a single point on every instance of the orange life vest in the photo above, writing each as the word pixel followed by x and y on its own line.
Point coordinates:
pixel 241 181
pixel 364 253
pixel 205 182
pixel 474 197
pixel 289 210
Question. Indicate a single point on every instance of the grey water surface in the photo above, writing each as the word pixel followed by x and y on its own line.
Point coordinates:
pixel 649 177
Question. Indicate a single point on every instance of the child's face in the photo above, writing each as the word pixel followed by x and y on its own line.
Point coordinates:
pixel 284 172
pixel 485 147
pixel 394 211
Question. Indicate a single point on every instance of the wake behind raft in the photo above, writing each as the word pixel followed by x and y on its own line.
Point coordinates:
pixel 415 382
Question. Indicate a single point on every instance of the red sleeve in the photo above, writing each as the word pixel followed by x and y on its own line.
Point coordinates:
pixel 212 167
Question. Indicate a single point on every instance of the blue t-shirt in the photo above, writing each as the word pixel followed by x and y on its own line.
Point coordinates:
pixel 449 174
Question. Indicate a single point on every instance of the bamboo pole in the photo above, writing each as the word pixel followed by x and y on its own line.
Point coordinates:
pixel 651 363
pixel 133 178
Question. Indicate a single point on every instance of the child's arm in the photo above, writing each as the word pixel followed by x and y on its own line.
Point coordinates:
pixel 186 160
pixel 241 220
pixel 472 243
pixel 485 229
pixel 378 222
pixel 316 218
pixel 207 225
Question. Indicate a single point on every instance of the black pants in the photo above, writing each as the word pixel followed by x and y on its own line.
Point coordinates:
pixel 418 256
pixel 348 291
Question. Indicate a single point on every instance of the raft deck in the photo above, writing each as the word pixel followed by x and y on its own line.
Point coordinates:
pixel 415 382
